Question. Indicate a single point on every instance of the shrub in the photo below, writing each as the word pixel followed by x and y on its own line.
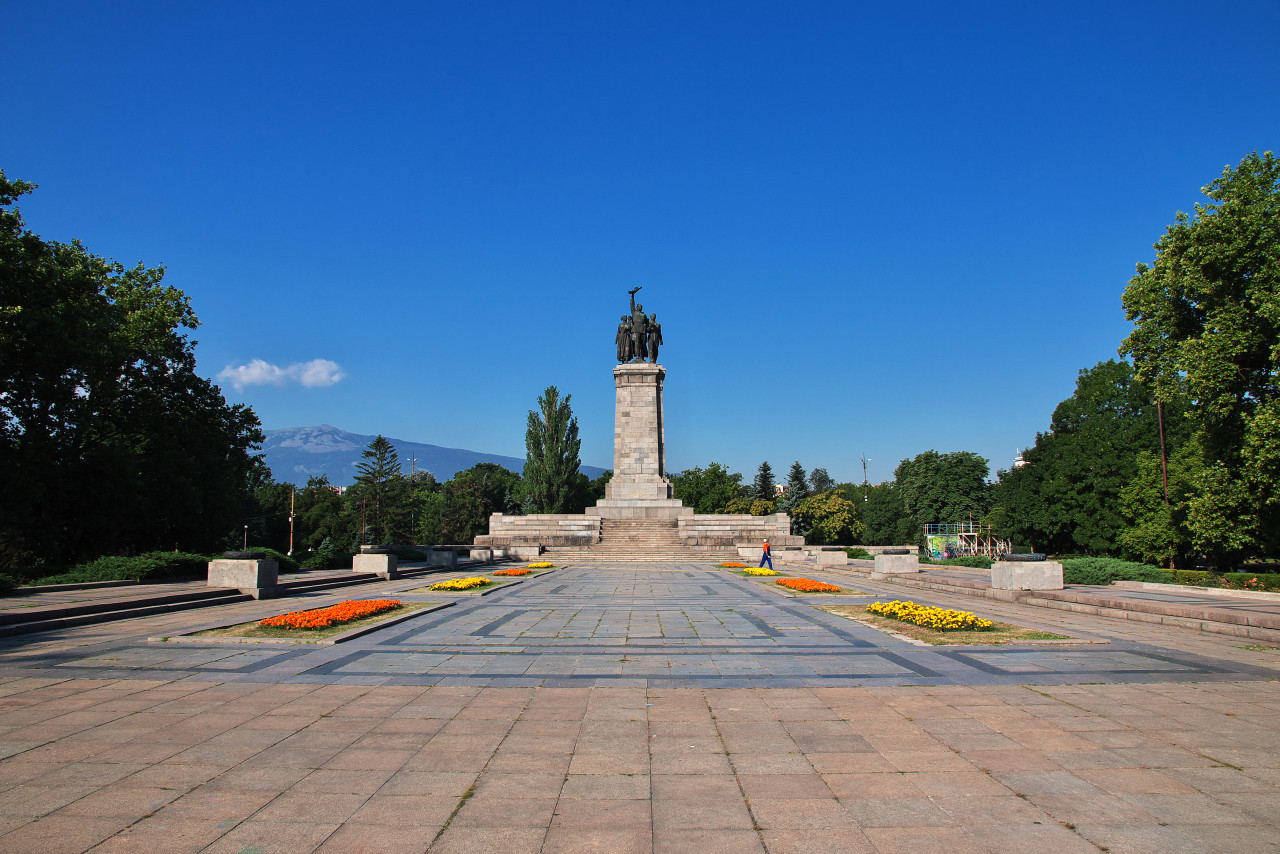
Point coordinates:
pixel 974 561
pixel 323 559
pixel 858 554
pixel 1104 570
pixel 152 566
pixel 287 564
pixel 7 582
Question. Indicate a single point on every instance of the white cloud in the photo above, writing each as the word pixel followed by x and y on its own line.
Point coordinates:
pixel 314 374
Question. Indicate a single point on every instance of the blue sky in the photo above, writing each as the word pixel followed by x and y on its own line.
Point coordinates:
pixel 865 229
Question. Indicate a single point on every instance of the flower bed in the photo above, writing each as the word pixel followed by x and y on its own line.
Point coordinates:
pixel 545 564
pixel 807 585
pixel 734 566
pixel 513 572
pixel 759 570
pixel 461 584
pixel 323 618
pixel 938 619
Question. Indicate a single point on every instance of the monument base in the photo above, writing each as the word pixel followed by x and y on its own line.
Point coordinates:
pixel 639 508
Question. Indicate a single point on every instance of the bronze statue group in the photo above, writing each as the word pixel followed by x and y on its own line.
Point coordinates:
pixel 638 335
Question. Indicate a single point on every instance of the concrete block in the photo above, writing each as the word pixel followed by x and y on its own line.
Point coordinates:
pixel 442 557
pixel 894 564
pixel 1026 575
pixel 381 564
pixel 258 578
pixel 832 559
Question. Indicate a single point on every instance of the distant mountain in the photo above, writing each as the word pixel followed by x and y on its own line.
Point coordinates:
pixel 297 453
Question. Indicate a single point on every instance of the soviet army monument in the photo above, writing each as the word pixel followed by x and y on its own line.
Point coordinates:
pixel 638 519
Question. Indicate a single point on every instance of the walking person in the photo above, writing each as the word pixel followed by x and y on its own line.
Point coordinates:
pixel 764 555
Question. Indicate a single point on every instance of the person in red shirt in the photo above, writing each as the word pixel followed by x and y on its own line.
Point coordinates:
pixel 764 556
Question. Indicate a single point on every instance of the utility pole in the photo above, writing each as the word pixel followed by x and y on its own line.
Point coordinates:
pixel 864 477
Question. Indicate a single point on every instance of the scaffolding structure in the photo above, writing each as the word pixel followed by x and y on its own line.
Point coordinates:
pixel 965 538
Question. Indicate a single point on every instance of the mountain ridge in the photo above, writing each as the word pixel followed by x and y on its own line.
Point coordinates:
pixel 295 454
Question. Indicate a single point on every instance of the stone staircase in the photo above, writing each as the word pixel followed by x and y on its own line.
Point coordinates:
pixel 639 541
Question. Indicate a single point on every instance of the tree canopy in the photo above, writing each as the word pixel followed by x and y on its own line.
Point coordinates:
pixel 1206 317
pixel 113 442
pixel 938 487
pixel 1067 498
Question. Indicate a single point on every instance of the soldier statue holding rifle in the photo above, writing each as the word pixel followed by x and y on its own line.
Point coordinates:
pixel 638 335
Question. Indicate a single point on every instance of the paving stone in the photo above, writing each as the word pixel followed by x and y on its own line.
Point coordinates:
pixel 825 725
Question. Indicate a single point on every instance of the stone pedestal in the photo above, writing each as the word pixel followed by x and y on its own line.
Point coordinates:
pixel 1026 575
pixel 443 557
pixel 639 488
pixel 381 564
pixel 826 558
pixel 258 578
pixel 891 564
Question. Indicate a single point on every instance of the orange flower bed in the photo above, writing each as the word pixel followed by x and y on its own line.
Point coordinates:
pixel 513 572
pixel 323 618
pixel 807 585
pixel 734 565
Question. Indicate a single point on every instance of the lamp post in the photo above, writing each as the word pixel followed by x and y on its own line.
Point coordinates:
pixel 246 537
pixel 864 477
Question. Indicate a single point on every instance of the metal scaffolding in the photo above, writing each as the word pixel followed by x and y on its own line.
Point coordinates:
pixel 965 538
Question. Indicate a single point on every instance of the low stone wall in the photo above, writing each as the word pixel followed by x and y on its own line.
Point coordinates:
pixel 258 578
pixel 737 530
pixel 1026 575
pixel 545 529
pixel 896 564
pixel 385 565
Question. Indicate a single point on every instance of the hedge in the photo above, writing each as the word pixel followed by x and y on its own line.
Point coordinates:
pixel 972 561
pixel 152 566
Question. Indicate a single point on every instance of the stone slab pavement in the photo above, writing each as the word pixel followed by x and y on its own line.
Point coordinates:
pixel 643 708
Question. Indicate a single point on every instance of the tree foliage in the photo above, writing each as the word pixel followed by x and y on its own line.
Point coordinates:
pixel 708 490
pixel 1067 498
pixel 936 487
pixel 384 491
pixel 551 462
pixel 762 488
pixel 828 518
pixel 1206 317
pixel 110 441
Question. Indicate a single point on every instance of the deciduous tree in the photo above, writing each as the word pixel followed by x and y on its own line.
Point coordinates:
pixel 1206 317
pixel 109 441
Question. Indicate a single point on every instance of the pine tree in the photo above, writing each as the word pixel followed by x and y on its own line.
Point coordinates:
pixel 797 489
pixel 383 488
pixel 551 454
pixel 762 488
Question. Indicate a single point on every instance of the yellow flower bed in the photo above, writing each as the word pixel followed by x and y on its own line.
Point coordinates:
pixel 938 619
pixel 461 584
pixel 543 565
pixel 759 570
